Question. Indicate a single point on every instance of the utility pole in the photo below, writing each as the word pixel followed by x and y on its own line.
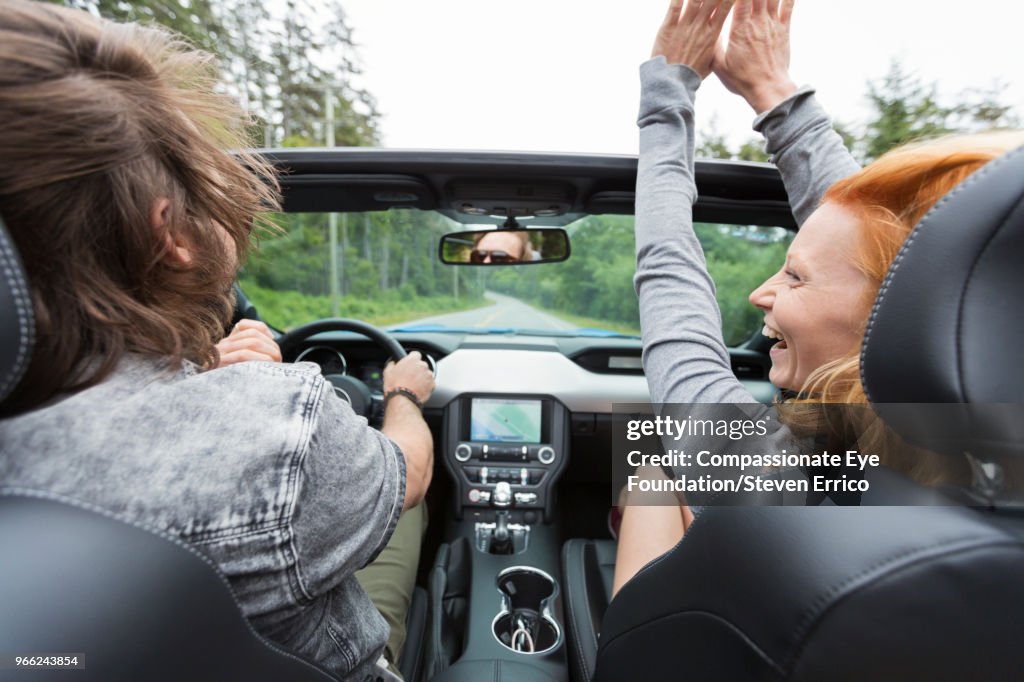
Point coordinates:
pixel 332 217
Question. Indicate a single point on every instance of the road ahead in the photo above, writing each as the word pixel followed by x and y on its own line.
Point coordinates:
pixel 505 312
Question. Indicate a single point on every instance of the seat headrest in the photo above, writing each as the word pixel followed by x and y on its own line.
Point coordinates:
pixel 17 320
pixel 946 323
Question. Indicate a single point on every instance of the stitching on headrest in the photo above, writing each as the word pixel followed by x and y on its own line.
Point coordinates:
pixel 23 310
pixel 971 180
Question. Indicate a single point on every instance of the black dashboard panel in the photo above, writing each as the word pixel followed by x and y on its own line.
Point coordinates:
pixel 523 455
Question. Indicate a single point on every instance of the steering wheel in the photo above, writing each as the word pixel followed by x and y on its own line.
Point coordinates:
pixel 348 388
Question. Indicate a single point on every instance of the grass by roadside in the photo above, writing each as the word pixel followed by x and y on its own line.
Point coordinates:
pixel 288 309
pixel 457 306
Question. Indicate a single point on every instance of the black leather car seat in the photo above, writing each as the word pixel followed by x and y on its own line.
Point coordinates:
pixel 134 603
pixel 855 593
pixel 17 319
pixel 588 568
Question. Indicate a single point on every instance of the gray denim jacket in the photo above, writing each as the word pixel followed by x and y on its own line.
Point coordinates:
pixel 257 464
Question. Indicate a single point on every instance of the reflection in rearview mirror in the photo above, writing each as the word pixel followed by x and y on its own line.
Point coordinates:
pixel 505 247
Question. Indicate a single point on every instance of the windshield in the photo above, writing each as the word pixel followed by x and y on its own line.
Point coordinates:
pixel 382 267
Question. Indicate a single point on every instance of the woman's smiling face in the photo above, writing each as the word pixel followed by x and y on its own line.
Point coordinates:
pixel 816 304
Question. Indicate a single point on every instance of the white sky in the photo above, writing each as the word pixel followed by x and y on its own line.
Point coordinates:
pixel 561 75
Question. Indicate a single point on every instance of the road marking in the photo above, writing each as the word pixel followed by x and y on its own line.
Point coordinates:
pixel 489 319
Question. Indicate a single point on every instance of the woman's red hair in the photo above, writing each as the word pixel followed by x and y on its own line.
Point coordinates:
pixel 889 197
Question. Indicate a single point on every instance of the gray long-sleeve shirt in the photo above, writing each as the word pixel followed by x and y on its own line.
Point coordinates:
pixel 685 357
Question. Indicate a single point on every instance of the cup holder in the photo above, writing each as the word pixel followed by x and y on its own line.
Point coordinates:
pixel 525 623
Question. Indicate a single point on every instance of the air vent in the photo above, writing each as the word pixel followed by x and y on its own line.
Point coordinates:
pixel 745 365
pixel 611 361
pixel 749 369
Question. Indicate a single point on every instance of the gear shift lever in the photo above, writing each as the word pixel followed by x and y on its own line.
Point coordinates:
pixel 501 541
pixel 501 527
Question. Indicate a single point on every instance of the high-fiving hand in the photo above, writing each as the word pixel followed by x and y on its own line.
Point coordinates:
pixel 755 63
pixel 688 35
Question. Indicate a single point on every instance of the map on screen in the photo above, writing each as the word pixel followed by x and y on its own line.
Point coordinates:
pixel 505 421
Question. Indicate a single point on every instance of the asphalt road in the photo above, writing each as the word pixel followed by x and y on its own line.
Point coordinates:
pixel 505 312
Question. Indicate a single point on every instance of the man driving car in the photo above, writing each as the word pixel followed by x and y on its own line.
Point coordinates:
pixel 501 246
pixel 132 218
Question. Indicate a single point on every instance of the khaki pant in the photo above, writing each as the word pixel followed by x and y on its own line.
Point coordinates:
pixel 390 579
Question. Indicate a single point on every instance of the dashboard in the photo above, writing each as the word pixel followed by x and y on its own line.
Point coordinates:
pixel 586 375
pixel 512 416
pixel 522 428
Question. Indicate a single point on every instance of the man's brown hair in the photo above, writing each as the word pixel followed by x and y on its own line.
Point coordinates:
pixel 99 122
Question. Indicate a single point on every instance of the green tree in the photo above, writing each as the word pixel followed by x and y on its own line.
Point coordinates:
pixel 712 144
pixel 904 109
pixel 279 60
pixel 752 150
pixel 197 20
pixel 982 109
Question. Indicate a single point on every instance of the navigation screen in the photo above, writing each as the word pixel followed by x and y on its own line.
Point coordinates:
pixel 499 420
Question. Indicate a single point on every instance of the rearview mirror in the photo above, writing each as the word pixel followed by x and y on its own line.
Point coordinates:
pixel 505 247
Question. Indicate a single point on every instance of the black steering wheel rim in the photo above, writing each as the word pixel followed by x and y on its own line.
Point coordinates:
pixel 288 341
pixel 365 404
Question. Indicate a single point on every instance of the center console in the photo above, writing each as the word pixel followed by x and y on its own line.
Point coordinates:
pixel 505 453
pixel 495 601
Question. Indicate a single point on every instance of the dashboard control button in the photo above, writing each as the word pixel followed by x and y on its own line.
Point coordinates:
pixel 502 495
pixel 518 453
pixel 546 455
pixel 526 498
pixel 524 476
pixel 484 475
pixel 463 452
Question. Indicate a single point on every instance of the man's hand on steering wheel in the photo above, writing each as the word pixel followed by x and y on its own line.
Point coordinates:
pixel 248 340
pixel 411 373
pixel 351 388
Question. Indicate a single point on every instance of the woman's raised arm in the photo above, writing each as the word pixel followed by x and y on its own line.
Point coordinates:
pixel 800 137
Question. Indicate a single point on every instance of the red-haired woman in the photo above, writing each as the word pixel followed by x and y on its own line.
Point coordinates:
pixel 852 223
